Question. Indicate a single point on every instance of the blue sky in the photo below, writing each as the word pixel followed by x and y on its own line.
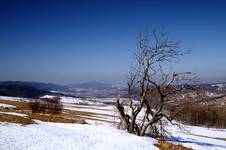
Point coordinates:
pixel 74 41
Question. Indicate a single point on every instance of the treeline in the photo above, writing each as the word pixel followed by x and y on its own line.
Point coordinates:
pixel 201 114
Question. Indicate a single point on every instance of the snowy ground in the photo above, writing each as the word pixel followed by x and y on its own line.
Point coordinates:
pixel 58 136
pixel 13 98
pixel 198 138
pixel 100 133
pixel 13 113
pixel 6 106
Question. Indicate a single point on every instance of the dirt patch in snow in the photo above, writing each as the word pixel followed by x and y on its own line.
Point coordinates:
pixel 61 118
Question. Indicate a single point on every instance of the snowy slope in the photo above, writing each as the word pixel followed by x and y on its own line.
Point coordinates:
pixel 7 106
pixel 13 113
pixel 198 138
pixel 13 98
pixel 56 136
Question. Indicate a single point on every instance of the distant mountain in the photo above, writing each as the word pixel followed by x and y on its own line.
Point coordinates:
pixel 213 87
pixel 92 85
pixel 37 85
pixel 21 91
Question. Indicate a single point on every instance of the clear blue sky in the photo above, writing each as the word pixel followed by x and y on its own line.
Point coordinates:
pixel 75 41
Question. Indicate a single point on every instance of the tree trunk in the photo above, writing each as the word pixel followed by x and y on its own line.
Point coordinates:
pixel 122 114
pixel 142 132
pixel 132 124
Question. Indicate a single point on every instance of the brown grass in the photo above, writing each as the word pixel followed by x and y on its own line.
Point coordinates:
pixel 15 119
pixel 7 110
pixel 23 107
pixel 55 118
pixel 19 105
pixel 69 116
pixel 89 118
pixel 42 117
pixel 223 139
pixel 163 145
pixel 85 113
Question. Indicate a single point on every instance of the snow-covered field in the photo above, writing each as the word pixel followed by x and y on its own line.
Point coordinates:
pixel 13 98
pixel 198 138
pixel 13 113
pixel 6 106
pixel 100 133
pixel 58 136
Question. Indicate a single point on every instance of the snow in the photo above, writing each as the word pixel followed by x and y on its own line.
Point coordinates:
pixel 58 136
pixel 198 138
pixel 13 98
pixel 72 100
pixel 7 105
pixel 48 96
pixel 108 110
pixel 211 132
pixel 103 113
pixel 13 113
pixel 110 100
pixel 197 142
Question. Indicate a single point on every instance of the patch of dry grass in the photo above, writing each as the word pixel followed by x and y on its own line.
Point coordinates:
pixel 163 145
pixel 19 105
pixel 81 121
pixel 90 118
pixel 23 107
pixel 86 113
pixel 223 139
pixel 61 118
pixel 42 117
pixel 2 109
pixel 69 116
pixel 15 119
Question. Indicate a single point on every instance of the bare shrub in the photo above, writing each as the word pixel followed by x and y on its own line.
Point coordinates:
pixel 53 105
pixel 36 106
pixel 47 105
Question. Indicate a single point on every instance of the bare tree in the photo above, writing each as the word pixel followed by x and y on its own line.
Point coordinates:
pixel 155 87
